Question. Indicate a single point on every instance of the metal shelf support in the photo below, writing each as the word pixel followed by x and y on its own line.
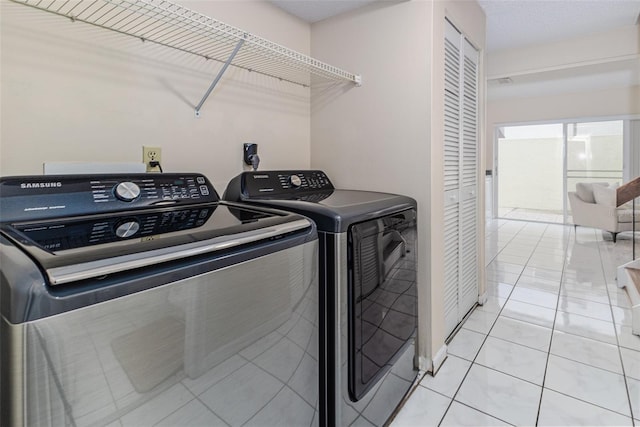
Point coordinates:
pixel 219 76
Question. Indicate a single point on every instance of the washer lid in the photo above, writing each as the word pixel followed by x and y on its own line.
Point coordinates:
pixel 78 248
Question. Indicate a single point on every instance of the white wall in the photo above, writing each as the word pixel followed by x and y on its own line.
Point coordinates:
pixel 386 135
pixel 376 137
pixel 615 45
pixel 73 92
pixel 361 134
pixel 614 50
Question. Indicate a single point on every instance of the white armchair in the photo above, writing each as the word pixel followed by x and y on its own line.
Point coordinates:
pixel 594 205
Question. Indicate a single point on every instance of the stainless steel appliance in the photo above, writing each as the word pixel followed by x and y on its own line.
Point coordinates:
pixel 143 299
pixel 368 297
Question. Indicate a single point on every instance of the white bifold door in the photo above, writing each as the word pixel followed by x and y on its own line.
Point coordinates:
pixel 461 177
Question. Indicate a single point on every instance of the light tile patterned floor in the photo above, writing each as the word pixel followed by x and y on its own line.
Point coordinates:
pixel 524 214
pixel 552 346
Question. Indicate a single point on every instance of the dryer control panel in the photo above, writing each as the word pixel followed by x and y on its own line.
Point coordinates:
pixel 282 183
pixel 27 198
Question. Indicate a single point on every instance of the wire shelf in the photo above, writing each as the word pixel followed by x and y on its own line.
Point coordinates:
pixel 174 26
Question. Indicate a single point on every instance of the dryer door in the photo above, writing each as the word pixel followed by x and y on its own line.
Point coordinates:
pixel 382 297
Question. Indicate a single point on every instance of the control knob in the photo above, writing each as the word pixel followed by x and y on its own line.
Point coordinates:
pixel 295 181
pixel 127 191
pixel 127 228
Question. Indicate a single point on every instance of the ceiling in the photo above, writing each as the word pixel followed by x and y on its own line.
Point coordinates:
pixel 510 23
pixel 317 10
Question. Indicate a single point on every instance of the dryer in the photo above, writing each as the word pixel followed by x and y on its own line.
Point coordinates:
pixel 368 296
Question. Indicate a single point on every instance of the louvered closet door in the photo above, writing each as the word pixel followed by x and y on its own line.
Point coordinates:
pixel 451 176
pixel 461 172
pixel 468 288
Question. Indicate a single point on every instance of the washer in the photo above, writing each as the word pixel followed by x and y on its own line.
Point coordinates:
pixel 368 291
pixel 139 299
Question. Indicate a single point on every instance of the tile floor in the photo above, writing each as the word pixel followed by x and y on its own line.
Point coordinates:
pixel 524 214
pixel 552 346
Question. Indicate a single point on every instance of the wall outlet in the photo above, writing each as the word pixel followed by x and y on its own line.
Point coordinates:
pixel 152 154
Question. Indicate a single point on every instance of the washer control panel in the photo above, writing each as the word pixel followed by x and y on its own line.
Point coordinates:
pixel 270 183
pixel 88 231
pixel 39 197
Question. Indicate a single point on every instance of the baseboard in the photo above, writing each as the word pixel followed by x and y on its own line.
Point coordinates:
pixel 483 298
pixel 432 366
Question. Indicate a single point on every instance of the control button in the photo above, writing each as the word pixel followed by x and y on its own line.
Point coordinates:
pixel 295 181
pixel 204 190
pixel 200 180
pixel 127 229
pixel 127 191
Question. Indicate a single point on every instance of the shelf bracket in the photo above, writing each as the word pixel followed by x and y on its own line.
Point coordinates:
pixel 220 73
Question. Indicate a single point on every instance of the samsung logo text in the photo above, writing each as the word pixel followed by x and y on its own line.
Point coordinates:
pixel 41 185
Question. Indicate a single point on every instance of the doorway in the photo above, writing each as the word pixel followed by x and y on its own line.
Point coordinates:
pixel 537 164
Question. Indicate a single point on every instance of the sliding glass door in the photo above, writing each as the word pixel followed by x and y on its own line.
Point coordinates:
pixel 536 165
pixel 594 154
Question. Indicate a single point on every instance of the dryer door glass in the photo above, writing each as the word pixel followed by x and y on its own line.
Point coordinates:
pixel 382 297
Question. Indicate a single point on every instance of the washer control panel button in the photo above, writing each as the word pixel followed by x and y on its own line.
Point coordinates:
pixel 127 229
pixel 127 191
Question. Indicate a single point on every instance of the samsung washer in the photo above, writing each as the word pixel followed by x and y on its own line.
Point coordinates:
pixel 140 299
pixel 368 295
